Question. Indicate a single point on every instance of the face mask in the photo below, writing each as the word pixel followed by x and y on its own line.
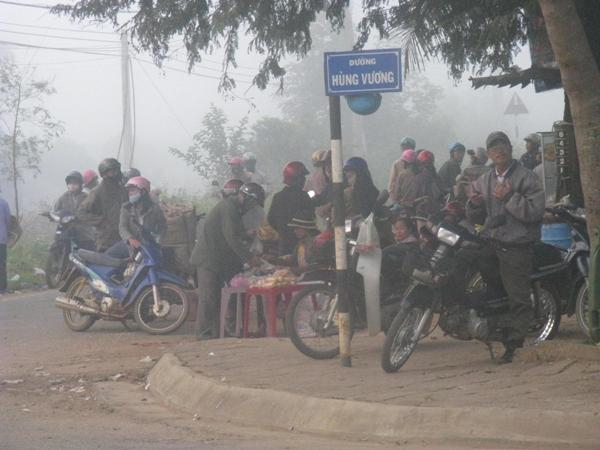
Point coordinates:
pixel 73 188
pixel 134 198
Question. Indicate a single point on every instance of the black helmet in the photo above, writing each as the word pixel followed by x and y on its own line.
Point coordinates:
pixel 107 165
pixel 131 172
pixel 74 176
pixel 254 191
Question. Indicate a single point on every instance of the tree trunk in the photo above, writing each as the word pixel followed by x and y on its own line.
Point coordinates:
pixel 581 81
pixel 15 173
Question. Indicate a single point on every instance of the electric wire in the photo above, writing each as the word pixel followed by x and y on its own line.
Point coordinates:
pixel 64 49
pixel 70 38
pixel 42 27
pixel 171 109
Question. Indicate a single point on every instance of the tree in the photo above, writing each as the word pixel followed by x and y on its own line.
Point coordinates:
pixel 214 145
pixel 581 80
pixel 31 128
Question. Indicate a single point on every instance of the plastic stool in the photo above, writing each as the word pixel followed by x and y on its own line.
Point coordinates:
pixel 226 294
pixel 270 297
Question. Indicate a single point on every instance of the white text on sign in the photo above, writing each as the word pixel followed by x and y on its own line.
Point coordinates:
pixel 366 78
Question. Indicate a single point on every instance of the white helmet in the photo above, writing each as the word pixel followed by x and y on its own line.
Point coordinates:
pixel 249 156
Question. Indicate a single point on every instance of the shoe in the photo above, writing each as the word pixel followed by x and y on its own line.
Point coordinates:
pixel 205 335
pixel 507 357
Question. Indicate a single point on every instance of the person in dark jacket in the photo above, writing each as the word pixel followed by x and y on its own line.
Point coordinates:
pixel 68 205
pixel 286 203
pixel 361 193
pixel 102 207
pixel 4 237
pixel 450 170
pixel 531 158
pixel 220 254
pixel 428 186
pixel 513 200
pixel 137 215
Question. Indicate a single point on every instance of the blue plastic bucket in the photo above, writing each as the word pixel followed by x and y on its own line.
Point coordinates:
pixel 557 234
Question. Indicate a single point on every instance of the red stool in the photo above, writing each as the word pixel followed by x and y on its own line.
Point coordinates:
pixel 270 297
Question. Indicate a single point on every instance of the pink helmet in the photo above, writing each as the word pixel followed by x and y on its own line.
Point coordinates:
pixel 89 175
pixel 139 182
pixel 409 156
pixel 236 161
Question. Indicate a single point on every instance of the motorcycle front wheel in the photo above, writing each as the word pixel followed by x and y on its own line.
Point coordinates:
pixel 78 290
pixel 312 323
pixel 582 308
pixel 173 312
pixel 546 323
pixel 400 339
pixel 54 266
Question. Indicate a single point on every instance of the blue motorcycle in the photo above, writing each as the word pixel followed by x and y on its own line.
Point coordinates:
pixel 99 286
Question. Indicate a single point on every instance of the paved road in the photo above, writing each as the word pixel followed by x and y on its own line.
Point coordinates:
pixel 54 392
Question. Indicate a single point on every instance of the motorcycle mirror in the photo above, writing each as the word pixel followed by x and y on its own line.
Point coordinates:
pixel 311 194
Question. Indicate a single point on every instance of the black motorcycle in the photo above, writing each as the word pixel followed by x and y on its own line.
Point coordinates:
pixel 65 241
pixel 572 284
pixel 476 314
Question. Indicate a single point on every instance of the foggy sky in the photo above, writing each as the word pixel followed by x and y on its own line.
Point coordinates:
pixel 88 101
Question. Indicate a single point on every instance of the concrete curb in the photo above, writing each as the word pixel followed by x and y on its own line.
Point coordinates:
pixel 185 389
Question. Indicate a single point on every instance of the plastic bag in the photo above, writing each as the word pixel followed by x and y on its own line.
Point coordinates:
pixel 368 238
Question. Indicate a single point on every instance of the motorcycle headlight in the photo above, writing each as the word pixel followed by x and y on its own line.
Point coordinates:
pixel 447 237
pixel 67 219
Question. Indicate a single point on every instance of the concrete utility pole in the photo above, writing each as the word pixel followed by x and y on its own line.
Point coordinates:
pixel 126 144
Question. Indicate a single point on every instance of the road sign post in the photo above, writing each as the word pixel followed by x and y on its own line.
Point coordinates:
pixel 351 73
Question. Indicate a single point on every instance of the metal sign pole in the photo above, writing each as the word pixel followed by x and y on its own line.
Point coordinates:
pixel 341 257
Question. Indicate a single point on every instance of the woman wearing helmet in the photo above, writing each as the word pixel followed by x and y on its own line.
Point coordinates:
pixel 138 214
pixel 406 187
pixel 429 185
pixel 90 180
pixel 102 206
pixel 398 167
pixel 317 181
pixel 361 193
pixel 287 202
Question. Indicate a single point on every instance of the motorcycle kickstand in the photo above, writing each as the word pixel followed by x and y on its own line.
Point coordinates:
pixel 491 350
pixel 127 327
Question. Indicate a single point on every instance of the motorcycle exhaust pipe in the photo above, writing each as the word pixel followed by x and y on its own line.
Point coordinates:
pixel 67 303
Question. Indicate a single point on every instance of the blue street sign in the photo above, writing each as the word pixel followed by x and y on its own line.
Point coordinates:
pixel 364 71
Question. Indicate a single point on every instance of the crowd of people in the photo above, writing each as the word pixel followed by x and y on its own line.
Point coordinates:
pixel 505 196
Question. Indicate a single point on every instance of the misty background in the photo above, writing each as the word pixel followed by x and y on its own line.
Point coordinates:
pixel 170 105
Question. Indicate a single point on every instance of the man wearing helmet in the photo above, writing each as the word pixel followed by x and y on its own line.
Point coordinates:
pixel 287 202
pixel 130 173
pixel 406 184
pixel 69 203
pixel 236 165
pixel 407 143
pixel 102 206
pixel 450 170
pixel 252 174
pixel 220 253
pixel 428 185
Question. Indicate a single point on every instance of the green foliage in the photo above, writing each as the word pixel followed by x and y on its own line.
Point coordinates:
pixel 23 258
pixel 465 34
pixel 202 203
pixel 214 145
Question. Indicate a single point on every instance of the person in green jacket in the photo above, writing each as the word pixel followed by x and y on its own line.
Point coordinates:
pixel 220 254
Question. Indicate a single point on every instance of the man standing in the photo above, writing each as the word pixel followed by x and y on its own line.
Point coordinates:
pixel 4 229
pixel 287 202
pixel 102 207
pixel 253 175
pixel 531 158
pixel 398 167
pixel 514 202
pixel 220 254
pixel 450 170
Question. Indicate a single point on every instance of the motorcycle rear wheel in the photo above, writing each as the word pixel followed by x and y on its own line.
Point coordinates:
pixel 171 297
pixel 305 317
pixel 399 345
pixel 76 321
pixel 546 326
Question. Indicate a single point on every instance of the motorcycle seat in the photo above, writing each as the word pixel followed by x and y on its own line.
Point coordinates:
pixel 101 259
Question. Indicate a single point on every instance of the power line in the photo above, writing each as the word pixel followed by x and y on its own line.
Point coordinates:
pixel 66 62
pixel 113 33
pixel 163 98
pixel 28 5
pixel 25 33
pixel 174 69
pixel 63 49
